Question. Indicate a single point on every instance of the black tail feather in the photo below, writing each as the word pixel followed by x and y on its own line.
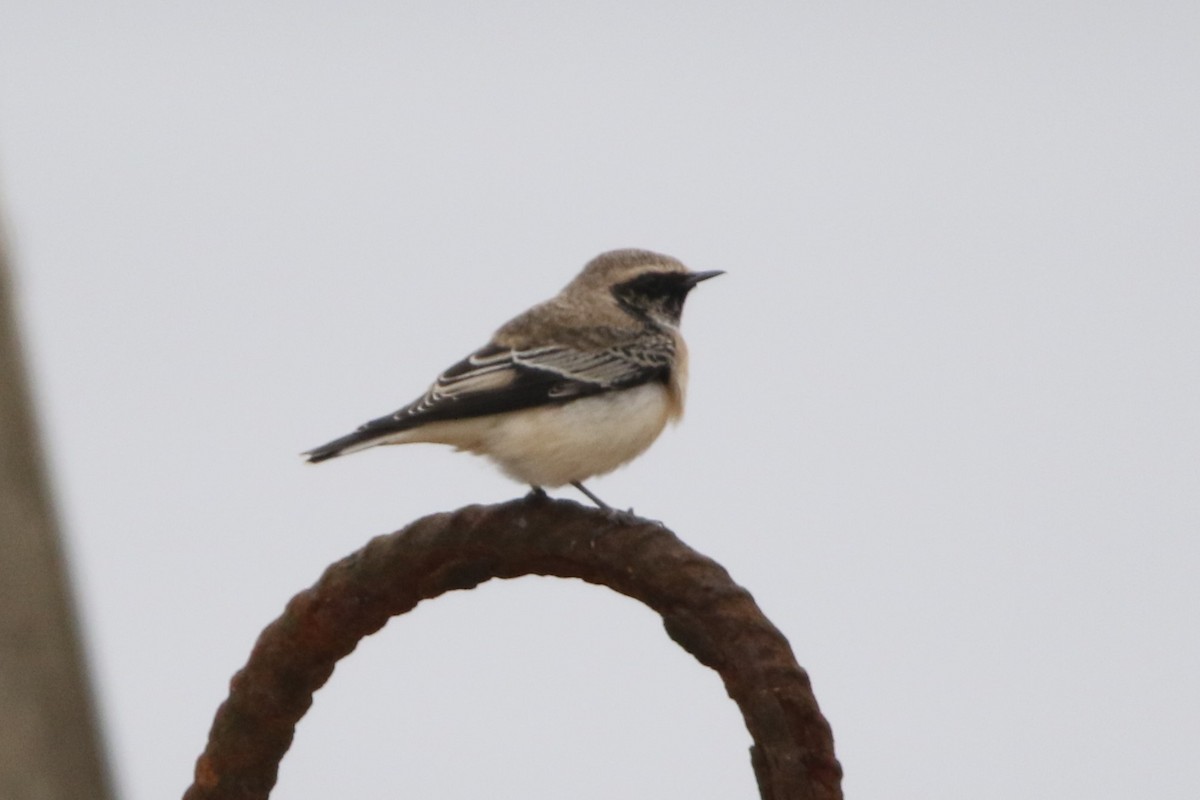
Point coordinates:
pixel 338 446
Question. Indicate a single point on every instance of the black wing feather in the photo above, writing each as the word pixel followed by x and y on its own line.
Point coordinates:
pixel 496 379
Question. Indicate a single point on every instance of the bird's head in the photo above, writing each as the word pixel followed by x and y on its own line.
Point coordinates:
pixel 648 285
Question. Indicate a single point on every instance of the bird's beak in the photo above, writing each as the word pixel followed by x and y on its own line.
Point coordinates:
pixel 692 278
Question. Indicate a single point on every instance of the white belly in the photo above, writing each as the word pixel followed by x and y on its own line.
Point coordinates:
pixel 555 445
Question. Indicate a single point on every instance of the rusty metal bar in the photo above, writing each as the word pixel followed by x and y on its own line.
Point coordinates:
pixel 703 610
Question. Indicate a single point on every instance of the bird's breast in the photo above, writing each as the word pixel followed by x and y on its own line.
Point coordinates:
pixel 677 382
pixel 555 445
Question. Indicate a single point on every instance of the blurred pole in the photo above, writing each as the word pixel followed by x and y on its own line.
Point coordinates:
pixel 49 742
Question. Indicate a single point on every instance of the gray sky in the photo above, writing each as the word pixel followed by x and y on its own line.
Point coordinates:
pixel 943 414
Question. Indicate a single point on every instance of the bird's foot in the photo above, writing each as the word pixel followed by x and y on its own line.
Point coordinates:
pixel 621 515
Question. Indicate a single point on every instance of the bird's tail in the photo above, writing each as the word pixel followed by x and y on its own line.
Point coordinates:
pixel 351 443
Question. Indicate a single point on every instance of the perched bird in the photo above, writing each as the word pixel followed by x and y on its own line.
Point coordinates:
pixel 572 388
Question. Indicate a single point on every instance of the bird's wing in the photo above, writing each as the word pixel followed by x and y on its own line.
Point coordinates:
pixel 496 379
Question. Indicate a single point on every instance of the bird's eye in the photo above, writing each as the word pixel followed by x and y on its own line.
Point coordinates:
pixel 653 284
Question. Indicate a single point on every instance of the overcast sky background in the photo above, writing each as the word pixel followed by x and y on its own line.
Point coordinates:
pixel 944 418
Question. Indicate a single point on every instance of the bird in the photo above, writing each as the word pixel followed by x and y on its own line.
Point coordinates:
pixel 572 388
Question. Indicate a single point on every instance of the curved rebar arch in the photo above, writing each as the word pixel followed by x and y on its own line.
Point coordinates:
pixel 703 610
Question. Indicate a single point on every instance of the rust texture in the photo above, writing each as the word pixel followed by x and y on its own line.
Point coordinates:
pixel 703 610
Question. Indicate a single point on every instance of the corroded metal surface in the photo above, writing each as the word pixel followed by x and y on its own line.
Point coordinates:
pixel 703 610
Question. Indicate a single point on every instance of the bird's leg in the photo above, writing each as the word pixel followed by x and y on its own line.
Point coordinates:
pixel 536 493
pixel 578 485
